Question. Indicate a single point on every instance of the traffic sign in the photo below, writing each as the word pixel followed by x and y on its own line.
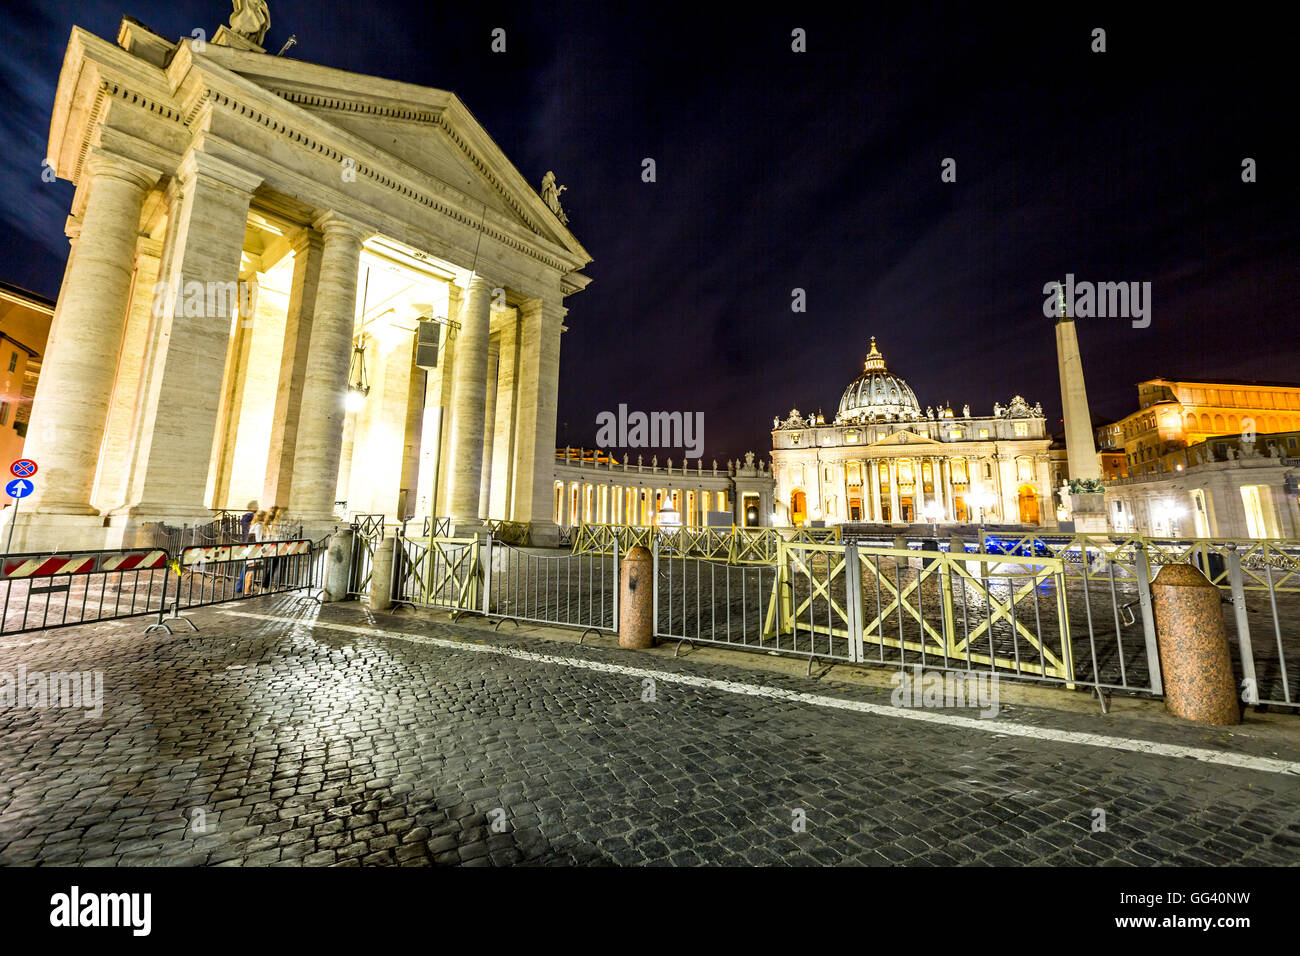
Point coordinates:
pixel 19 488
pixel 23 468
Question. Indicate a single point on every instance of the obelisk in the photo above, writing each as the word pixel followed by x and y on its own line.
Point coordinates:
pixel 1080 448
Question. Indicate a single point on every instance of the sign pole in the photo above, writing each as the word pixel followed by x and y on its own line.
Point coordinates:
pixel 13 521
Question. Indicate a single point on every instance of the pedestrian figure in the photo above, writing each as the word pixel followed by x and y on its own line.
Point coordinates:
pixel 256 534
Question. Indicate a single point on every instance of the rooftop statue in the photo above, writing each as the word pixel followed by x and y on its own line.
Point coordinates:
pixel 251 20
pixel 551 196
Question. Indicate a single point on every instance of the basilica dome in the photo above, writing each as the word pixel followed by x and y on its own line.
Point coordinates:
pixel 877 394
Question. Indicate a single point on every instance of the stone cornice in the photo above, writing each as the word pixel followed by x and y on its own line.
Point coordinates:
pixel 317 85
pixel 398 177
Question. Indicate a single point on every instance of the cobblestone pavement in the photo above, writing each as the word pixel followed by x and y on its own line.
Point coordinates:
pixel 256 742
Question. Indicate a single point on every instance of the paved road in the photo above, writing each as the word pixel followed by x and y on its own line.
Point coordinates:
pixel 296 744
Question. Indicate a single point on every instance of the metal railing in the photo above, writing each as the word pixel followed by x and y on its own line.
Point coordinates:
pixel 232 572
pixel 435 572
pixel 44 591
pixel 574 590
pixel 734 545
pixel 1261 596
pixel 367 532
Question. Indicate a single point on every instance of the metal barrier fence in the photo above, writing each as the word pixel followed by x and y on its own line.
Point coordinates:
pixel 713 601
pixel 367 532
pixel 576 590
pixel 517 533
pixel 45 591
pixel 1261 596
pixel 734 545
pixel 1015 616
pixel 435 572
pixel 234 572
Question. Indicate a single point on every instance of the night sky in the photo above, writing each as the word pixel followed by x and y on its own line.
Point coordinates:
pixel 821 171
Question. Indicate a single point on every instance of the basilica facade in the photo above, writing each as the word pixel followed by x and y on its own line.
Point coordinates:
pixel 884 459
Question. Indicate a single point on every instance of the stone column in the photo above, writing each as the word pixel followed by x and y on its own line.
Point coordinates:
pixel 503 433
pixel 464 464
pixel 76 384
pixel 945 470
pixel 871 512
pixel 894 515
pixel 111 486
pixel 278 487
pixel 489 427
pixel 325 378
pixel 436 424
pixel 541 322
pixel 176 445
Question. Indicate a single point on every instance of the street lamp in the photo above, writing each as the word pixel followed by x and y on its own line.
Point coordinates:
pixel 358 383
pixel 982 500
pixel 934 514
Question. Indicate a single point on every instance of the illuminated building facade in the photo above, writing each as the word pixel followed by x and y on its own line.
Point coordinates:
pixel 1174 415
pixel 883 459
pixel 592 487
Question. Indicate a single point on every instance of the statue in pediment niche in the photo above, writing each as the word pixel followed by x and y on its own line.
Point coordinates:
pixel 251 20
pixel 551 196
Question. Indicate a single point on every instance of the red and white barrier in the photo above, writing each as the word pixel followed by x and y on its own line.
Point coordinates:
pixel 52 565
pixel 243 552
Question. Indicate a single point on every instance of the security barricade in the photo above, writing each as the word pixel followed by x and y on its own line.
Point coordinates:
pixel 367 532
pixel 574 590
pixel 44 591
pixel 436 572
pixel 234 572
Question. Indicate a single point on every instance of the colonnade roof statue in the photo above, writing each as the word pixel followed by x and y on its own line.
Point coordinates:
pixel 251 20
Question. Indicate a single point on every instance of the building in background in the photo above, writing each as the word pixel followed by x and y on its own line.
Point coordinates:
pixel 25 319
pixel 1176 415
pixel 883 459
pixel 1205 459
pixel 258 245
pixel 1223 487
pixel 594 488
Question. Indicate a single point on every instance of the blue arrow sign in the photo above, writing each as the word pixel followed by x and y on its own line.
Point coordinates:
pixel 19 488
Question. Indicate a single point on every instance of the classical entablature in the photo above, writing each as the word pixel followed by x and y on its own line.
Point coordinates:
pixel 267 239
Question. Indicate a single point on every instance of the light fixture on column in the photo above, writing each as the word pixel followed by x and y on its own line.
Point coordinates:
pixel 358 383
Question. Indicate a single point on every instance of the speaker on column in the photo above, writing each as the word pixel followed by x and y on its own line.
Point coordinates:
pixel 426 344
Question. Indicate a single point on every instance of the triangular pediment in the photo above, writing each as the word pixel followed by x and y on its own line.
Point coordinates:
pixel 422 127
pixel 904 437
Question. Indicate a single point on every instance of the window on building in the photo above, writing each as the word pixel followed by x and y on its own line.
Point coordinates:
pixel 4 413
pixel 984 433
pixel 13 361
pixel 1021 429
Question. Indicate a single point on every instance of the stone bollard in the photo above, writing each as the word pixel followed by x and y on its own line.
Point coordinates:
pixel 338 560
pixel 1194 658
pixel 900 542
pixel 636 599
pixel 381 575
pixel 956 545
